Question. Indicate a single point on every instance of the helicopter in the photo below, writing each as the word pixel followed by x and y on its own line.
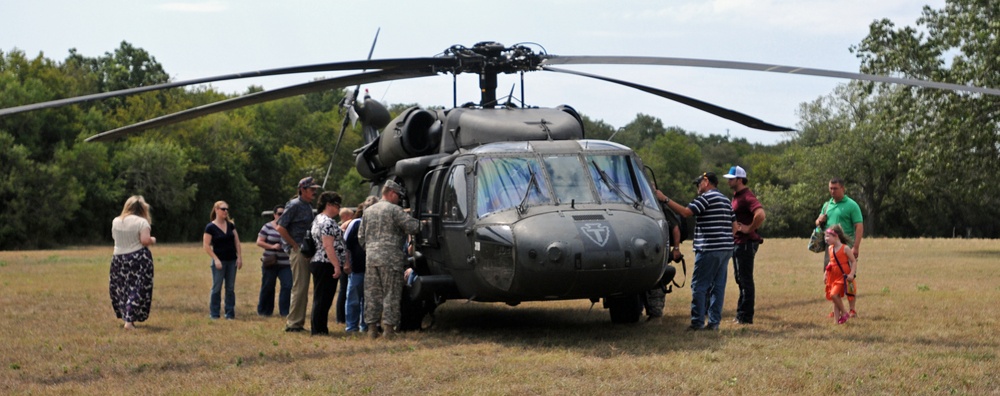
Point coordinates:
pixel 515 203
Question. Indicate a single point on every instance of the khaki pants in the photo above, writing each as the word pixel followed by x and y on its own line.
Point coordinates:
pixel 300 289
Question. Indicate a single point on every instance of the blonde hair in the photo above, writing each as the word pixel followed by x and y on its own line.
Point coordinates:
pixel 836 229
pixel 136 205
pixel 211 216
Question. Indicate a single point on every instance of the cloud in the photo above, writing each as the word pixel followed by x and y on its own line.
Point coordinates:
pixel 813 16
pixel 208 6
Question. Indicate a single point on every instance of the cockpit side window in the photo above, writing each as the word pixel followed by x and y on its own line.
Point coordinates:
pixel 455 196
pixel 504 182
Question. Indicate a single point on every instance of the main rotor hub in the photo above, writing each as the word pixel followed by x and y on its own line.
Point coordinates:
pixel 490 57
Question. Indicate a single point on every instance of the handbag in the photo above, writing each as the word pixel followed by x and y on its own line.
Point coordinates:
pixel 269 260
pixel 817 244
pixel 308 248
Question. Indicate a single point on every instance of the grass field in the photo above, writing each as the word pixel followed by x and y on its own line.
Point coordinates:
pixel 928 324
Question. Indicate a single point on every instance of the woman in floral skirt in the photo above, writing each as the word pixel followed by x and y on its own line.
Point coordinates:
pixel 131 280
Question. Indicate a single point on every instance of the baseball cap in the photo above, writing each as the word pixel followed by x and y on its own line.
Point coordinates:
pixel 707 175
pixel 308 182
pixel 736 172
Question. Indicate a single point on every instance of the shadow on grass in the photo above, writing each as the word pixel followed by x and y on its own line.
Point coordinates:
pixel 585 331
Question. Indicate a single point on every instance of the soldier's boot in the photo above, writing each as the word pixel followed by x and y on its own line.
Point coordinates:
pixel 372 332
pixel 388 331
pixel 655 320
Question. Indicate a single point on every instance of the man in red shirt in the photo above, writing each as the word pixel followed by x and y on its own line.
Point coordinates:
pixel 749 217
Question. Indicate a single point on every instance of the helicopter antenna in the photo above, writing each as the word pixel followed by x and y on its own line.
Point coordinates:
pixel 510 96
pixel 354 98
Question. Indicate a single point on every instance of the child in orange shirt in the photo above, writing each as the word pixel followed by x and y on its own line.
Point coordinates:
pixel 841 259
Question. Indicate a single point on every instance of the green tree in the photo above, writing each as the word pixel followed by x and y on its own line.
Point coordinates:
pixel 90 166
pixel 597 129
pixel 954 136
pixel 39 198
pixel 860 136
pixel 158 170
pixel 673 157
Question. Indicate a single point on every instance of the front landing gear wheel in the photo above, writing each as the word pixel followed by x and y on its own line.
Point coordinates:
pixel 624 309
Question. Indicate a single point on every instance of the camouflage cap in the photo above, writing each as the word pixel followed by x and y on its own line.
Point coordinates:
pixel 391 185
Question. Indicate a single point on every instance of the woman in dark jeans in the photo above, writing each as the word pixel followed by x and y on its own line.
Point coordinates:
pixel 269 239
pixel 222 244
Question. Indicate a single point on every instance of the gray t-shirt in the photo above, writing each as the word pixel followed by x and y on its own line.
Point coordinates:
pixel 297 219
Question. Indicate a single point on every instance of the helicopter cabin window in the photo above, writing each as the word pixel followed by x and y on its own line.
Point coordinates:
pixel 503 183
pixel 569 182
pixel 621 181
pixel 454 201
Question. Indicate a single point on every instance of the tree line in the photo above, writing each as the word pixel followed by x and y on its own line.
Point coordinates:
pixel 920 162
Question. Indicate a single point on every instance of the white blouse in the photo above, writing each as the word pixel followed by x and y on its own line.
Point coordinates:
pixel 125 231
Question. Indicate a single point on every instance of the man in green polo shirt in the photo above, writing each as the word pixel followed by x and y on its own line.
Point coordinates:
pixel 841 209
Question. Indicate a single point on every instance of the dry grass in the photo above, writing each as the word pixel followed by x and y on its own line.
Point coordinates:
pixel 928 324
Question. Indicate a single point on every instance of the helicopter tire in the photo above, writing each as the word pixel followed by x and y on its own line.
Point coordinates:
pixel 624 309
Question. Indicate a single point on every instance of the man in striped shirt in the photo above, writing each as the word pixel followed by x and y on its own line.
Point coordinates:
pixel 713 248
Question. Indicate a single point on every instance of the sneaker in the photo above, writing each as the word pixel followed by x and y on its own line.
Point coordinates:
pixel 854 314
pixel 294 329
pixel 694 328
pixel 843 319
pixel 711 328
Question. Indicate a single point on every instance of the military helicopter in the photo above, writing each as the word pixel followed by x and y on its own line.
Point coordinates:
pixel 515 203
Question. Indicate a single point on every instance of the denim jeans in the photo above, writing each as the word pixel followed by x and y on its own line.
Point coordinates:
pixel 708 285
pixel 228 275
pixel 269 277
pixel 355 302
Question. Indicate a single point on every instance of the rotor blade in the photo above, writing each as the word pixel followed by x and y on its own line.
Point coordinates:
pixel 336 66
pixel 343 127
pixel 643 60
pixel 703 106
pixel 264 96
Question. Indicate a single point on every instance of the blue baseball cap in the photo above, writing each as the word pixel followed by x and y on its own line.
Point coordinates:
pixel 736 172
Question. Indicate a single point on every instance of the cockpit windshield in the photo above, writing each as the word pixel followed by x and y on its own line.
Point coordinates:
pixel 506 182
pixel 569 179
pixel 502 183
pixel 625 183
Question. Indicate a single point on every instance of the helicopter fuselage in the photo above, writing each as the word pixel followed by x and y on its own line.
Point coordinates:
pixel 550 217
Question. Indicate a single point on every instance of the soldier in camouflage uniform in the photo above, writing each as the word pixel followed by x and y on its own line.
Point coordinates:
pixel 383 234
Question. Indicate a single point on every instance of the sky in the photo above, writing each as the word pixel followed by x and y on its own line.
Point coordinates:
pixel 195 39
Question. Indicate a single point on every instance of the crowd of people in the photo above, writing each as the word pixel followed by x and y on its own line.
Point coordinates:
pixel 364 250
